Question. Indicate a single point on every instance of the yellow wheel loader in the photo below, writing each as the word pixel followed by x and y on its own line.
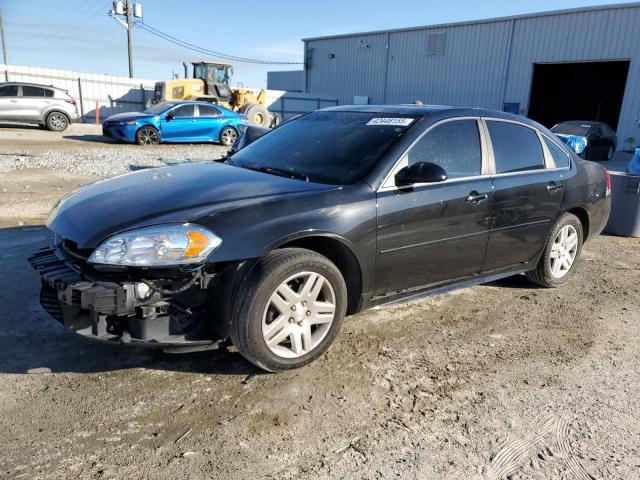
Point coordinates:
pixel 210 82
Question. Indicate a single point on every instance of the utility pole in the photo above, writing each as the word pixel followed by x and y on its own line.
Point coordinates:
pixel 124 8
pixel 129 44
pixel 5 59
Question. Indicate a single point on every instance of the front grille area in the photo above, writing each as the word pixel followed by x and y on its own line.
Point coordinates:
pixel 50 303
pixel 55 272
pixel 71 247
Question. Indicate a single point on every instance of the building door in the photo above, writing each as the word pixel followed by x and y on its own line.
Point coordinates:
pixel 578 91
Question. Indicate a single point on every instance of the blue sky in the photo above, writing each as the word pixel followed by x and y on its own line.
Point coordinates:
pixel 78 35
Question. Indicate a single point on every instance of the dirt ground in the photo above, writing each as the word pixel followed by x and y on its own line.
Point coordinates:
pixel 501 381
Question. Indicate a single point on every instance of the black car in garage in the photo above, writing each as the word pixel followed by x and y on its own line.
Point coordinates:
pixel 590 140
pixel 337 211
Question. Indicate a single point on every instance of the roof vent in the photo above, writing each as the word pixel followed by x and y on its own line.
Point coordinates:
pixel 436 43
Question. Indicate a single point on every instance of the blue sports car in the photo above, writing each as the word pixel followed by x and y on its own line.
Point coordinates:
pixel 177 122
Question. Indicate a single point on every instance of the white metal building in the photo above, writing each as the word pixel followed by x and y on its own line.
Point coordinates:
pixel 571 64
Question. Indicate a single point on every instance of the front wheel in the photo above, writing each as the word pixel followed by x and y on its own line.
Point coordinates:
pixel 290 310
pixel 560 254
pixel 147 136
pixel 228 136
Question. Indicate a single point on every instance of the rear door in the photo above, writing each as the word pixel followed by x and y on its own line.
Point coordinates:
pixel 209 122
pixel 528 193
pixel 9 96
pixel 433 233
pixel 179 124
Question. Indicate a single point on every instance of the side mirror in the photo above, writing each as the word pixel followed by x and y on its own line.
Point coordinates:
pixel 420 172
pixel 169 116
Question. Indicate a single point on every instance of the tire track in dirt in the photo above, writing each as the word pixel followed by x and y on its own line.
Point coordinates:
pixel 548 436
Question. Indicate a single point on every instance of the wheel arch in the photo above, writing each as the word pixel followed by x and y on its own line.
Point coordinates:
pixel 56 110
pixel 155 127
pixel 583 216
pixel 336 250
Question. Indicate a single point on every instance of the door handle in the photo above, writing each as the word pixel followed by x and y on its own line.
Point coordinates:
pixel 475 198
pixel 13 101
pixel 554 187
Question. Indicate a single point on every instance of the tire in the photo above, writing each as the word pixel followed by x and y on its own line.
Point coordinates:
pixel 147 135
pixel 611 151
pixel 553 272
pixel 228 136
pixel 295 337
pixel 258 115
pixel 57 122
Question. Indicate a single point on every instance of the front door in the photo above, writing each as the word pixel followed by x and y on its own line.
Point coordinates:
pixel 528 192
pixel 433 233
pixel 9 108
pixel 179 123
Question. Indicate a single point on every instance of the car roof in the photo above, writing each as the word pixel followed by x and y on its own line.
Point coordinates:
pixel 193 102
pixel 581 122
pixel 427 110
pixel 2 84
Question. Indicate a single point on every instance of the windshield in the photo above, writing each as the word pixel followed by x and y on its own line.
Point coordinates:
pixel 159 108
pixel 572 129
pixel 336 148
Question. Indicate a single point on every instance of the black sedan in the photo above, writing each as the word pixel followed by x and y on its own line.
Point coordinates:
pixel 590 140
pixel 329 214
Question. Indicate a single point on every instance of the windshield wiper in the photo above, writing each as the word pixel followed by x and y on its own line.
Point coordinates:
pixel 281 172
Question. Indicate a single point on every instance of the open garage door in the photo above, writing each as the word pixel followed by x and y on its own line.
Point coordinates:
pixel 578 91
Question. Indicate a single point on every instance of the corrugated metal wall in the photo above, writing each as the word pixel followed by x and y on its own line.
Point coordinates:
pixel 484 64
pixel 289 80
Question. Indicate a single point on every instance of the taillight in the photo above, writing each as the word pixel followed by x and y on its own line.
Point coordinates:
pixel 72 101
pixel 607 183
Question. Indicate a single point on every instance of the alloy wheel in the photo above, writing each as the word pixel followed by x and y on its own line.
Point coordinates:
pixel 564 251
pixel 298 315
pixel 228 136
pixel 148 136
pixel 58 121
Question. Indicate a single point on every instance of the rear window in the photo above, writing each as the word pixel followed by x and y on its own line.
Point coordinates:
pixel 515 148
pixel 29 91
pixel 336 148
pixel 572 129
pixel 560 158
pixel 209 111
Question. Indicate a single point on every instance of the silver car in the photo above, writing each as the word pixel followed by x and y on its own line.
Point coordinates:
pixel 48 106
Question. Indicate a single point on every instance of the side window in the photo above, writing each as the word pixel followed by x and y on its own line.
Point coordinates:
pixel 48 93
pixel 9 91
pixel 29 91
pixel 515 148
pixel 454 145
pixel 183 111
pixel 560 158
pixel 209 111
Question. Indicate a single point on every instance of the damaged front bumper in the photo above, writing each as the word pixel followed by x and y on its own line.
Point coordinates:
pixel 101 306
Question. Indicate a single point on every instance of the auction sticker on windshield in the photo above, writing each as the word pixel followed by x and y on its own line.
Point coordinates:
pixel 401 122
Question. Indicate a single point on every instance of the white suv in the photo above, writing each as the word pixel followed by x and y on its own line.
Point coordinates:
pixel 31 103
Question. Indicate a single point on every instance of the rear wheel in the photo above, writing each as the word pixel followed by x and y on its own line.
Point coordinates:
pixel 228 136
pixel 610 152
pixel 147 136
pixel 560 254
pixel 57 121
pixel 290 310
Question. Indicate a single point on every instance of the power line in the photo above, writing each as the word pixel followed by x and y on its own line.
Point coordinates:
pixel 195 48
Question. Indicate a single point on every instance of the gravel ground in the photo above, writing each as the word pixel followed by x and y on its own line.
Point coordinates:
pixel 501 381
pixel 82 150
